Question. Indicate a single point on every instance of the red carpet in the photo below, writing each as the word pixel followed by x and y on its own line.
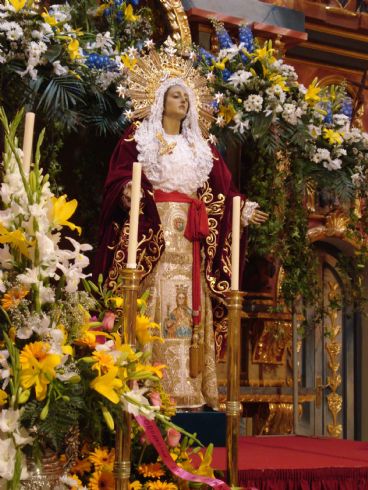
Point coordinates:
pixel 299 463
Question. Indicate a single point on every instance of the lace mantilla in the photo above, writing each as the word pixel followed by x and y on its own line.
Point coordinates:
pixel 179 170
pixel 192 155
pixel 248 210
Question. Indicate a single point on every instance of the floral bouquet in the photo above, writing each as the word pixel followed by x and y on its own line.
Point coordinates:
pixel 259 98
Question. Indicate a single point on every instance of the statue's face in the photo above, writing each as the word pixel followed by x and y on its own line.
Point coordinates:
pixel 181 299
pixel 176 102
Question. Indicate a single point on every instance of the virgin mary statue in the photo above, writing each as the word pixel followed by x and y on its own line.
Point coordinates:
pixel 185 221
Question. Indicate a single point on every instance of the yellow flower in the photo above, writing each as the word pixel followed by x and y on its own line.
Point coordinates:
pixel 102 458
pixel 38 367
pixel 221 64
pixel 73 49
pixel 62 211
pixel 151 470
pixel 3 398
pixel 311 95
pixel 78 482
pixel 135 485
pixel 143 328
pixel 106 385
pixel 13 297
pixel 128 62
pixel 127 352
pixel 333 137
pixel 117 300
pixel 18 4
pixel 49 19
pixel 227 112
pixel 265 53
pixel 157 370
pixel 161 485
pixel 102 480
pixel 278 79
pixel 15 238
pixel 101 9
pixel 204 469
pixel 103 361
pixel 129 14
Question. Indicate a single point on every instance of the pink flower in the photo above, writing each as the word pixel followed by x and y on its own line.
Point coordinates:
pixel 155 399
pixel 108 321
pixel 173 437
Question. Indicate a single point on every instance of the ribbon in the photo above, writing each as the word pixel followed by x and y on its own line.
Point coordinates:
pixel 154 436
pixel 196 230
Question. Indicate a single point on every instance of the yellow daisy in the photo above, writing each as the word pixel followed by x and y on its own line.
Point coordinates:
pixel 135 485
pixel 102 480
pixel 102 458
pixel 13 297
pixel 161 485
pixel 103 361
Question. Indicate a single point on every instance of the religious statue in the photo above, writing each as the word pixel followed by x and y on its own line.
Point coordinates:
pixel 185 220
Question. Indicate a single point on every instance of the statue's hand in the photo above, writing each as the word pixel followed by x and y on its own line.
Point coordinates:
pixel 126 196
pixel 258 217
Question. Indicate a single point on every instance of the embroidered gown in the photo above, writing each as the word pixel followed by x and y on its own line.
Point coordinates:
pixel 167 259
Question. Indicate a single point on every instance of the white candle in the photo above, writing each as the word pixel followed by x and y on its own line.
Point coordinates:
pixel 28 141
pixel 134 216
pixel 235 244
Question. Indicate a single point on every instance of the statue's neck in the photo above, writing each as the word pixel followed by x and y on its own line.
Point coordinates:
pixel 170 125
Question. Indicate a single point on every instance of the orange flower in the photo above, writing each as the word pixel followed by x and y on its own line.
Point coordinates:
pixel 161 485
pixel 151 470
pixel 81 466
pixel 103 362
pixel 102 458
pixel 13 297
pixel 102 480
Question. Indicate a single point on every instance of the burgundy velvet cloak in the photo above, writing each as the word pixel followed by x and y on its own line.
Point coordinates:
pixel 217 194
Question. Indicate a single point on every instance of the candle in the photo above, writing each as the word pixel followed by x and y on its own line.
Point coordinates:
pixel 134 216
pixel 28 141
pixel 235 244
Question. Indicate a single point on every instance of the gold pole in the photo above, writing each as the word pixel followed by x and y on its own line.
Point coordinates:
pixel 129 289
pixel 234 304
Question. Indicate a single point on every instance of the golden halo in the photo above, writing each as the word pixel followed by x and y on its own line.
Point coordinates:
pixel 152 69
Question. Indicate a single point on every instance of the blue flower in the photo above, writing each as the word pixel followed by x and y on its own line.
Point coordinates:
pixel 246 37
pixel 328 119
pixel 224 38
pixel 226 74
pixel 118 3
pixel 107 12
pixel 208 57
pixel 347 107
pixel 119 16
pixel 135 3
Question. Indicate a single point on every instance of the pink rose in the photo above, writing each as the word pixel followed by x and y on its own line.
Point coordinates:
pixel 173 437
pixel 155 399
pixel 108 321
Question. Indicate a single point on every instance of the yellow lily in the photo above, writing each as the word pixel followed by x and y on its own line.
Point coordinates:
pixel 15 238
pixel 333 137
pixel 311 95
pixel 221 65
pixel 49 19
pixel 128 62
pixel 73 49
pixel 129 14
pixel 143 329
pixel 107 384
pixel 117 300
pixel 278 79
pixel 3 397
pixel 63 210
pixel 18 4
pixel 38 367
pixel 227 112
pixel 265 53
pixel 128 353
pixel 157 370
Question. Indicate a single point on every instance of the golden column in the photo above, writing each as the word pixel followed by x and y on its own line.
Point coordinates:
pixel 233 407
pixel 129 290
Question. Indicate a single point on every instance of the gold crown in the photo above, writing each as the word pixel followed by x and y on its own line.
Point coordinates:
pixel 152 69
pixel 180 288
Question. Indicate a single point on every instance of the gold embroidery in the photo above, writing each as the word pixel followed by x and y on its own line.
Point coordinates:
pixel 150 249
pixel 165 147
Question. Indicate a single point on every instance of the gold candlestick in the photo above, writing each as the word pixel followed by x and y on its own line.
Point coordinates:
pixel 129 290
pixel 233 409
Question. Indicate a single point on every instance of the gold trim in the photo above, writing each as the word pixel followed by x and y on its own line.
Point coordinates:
pixel 178 21
pixel 335 32
pixel 333 348
pixel 261 398
pixel 333 50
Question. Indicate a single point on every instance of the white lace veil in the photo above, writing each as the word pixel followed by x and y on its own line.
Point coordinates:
pixel 148 145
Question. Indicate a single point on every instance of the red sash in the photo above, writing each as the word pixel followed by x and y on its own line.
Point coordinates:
pixel 195 231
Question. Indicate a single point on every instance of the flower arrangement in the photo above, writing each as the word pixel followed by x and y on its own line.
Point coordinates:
pixel 295 140
pixel 66 62
pixel 66 375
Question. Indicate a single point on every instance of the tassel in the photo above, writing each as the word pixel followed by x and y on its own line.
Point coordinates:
pixel 194 354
